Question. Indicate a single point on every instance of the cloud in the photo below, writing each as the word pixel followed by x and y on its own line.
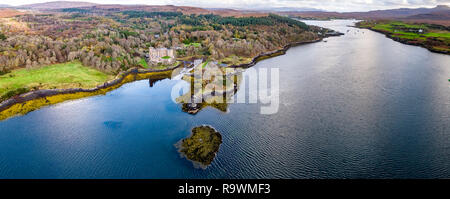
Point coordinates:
pixel 331 5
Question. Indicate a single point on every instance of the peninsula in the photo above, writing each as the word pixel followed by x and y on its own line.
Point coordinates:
pixel 433 37
pixel 201 147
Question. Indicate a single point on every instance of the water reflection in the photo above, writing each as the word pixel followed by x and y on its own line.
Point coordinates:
pixel 153 81
pixel 216 86
pixel 210 85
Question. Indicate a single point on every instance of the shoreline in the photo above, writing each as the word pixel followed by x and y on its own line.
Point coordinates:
pixel 33 100
pixel 405 41
pixel 274 53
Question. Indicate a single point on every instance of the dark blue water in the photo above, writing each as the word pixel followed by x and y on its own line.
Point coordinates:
pixel 356 106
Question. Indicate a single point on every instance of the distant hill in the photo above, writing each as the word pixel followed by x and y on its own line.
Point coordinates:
pixel 4 6
pixel 400 13
pixel 439 14
pixel 437 17
pixel 393 13
pixel 225 12
pixel 57 5
pixel 287 9
pixel 149 8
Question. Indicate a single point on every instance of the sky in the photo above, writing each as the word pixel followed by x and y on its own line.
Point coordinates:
pixel 329 5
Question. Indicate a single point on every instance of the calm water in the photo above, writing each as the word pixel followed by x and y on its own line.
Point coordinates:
pixel 356 106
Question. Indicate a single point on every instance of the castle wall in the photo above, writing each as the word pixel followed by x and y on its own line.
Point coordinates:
pixel 156 54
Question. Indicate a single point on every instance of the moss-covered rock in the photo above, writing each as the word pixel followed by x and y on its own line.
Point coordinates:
pixel 201 147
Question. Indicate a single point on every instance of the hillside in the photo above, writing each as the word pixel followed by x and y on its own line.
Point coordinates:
pixel 438 15
pixel 92 7
pixel 149 8
pixel 7 12
pixel 119 40
pixel 57 5
pixel 187 10
pixel 225 12
pixel 400 13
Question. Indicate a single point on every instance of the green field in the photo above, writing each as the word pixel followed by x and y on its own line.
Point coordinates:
pixel 143 63
pixel 193 44
pixel 67 75
pixel 204 64
pixel 396 28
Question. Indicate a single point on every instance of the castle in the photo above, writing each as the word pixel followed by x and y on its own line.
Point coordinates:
pixel 161 55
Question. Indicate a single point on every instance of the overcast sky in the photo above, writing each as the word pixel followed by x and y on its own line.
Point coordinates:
pixel 330 5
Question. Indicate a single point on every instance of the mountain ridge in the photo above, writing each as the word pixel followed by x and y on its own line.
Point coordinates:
pixel 439 14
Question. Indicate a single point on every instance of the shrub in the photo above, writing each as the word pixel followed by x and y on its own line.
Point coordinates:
pixel 15 93
pixel 2 36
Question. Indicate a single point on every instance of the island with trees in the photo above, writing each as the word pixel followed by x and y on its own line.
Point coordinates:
pixel 201 147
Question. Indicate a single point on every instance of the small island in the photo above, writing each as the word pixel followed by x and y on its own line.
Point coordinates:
pixel 201 147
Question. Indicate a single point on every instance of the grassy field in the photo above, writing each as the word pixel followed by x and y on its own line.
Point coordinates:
pixel 193 44
pixel 395 27
pixel 431 37
pixel 236 60
pixel 143 63
pixel 67 75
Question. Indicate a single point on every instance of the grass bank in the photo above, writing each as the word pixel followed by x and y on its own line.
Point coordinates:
pixel 433 37
pixel 57 76
pixel 23 106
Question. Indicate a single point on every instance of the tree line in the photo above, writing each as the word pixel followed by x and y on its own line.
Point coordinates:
pixel 208 19
pixel 115 42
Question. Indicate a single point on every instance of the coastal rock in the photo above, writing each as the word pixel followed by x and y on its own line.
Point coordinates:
pixel 201 147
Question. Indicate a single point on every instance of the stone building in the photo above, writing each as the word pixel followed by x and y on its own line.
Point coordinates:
pixel 161 55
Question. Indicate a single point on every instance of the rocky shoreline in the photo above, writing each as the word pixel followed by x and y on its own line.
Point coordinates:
pixel 110 85
pixel 121 79
pixel 281 51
